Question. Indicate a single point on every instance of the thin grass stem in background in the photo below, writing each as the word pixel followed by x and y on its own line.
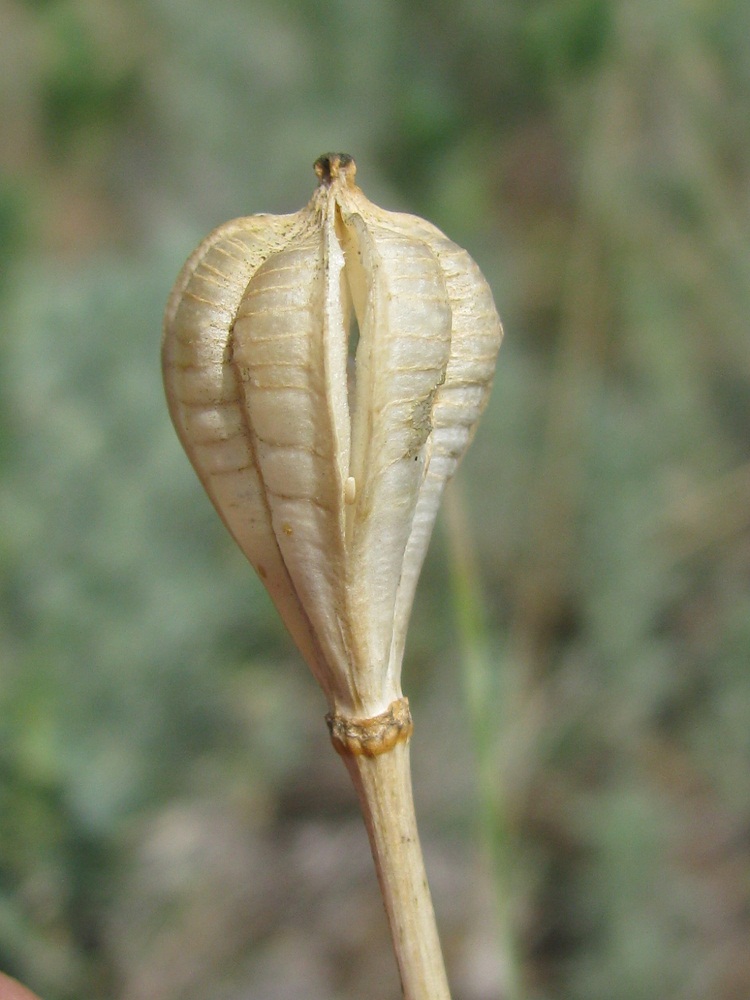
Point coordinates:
pixel 486 714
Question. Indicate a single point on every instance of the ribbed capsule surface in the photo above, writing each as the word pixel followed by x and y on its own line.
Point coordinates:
pixel 325 372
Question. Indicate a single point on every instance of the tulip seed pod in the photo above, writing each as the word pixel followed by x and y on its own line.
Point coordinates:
pixel 325 372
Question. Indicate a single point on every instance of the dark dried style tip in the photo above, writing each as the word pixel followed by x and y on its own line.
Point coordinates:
pixel 330 165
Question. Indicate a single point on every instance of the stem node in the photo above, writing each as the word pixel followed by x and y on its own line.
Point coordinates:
pixel 374 736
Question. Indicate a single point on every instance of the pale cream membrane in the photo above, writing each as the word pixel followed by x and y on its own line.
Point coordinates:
pixel 328 479
pixel 325 372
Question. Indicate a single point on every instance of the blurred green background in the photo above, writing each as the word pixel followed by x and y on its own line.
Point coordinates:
pixel 173 822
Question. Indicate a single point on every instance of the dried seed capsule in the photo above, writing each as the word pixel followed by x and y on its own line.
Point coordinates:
pixel 324 452
pixel 325 372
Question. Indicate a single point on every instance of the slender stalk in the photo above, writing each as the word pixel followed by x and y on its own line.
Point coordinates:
pixel 383 784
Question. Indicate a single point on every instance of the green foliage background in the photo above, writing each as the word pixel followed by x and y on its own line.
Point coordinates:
pixel 173 823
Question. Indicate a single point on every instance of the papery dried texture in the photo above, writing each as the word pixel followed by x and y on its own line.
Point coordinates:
pixel 327 462
pixel 330 480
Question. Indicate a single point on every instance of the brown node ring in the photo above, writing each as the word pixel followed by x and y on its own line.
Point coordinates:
pixel 371 737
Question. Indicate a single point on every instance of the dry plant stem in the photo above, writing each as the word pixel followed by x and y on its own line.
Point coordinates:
pixel 328 469
pixel 383 784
